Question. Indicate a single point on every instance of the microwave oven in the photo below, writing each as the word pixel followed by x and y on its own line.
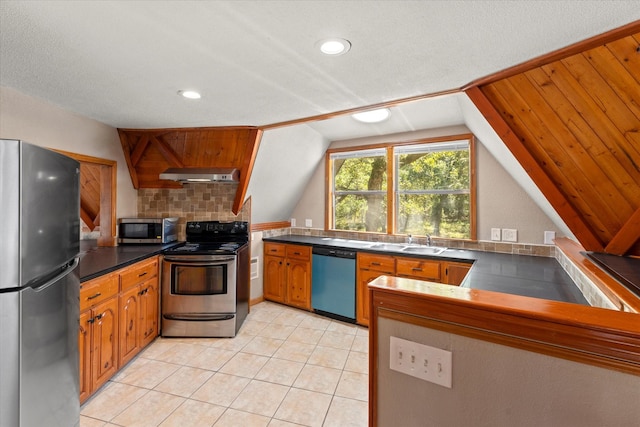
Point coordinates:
pixel 147 230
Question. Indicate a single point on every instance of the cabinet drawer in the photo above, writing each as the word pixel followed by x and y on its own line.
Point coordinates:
pixel 385 264
pixel 299 252
pixel 97 290
pixel 138 273
pixel 418 268
pixel 274 249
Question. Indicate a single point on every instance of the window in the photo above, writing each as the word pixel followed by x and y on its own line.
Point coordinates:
pixel 423 188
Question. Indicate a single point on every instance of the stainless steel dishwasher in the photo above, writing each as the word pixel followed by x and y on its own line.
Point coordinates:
pixel 333 283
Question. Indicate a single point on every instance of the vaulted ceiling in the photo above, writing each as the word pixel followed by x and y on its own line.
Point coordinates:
pixel 572 120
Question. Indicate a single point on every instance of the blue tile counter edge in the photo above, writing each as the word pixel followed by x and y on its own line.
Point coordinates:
pixel 523 275
pixel 96 261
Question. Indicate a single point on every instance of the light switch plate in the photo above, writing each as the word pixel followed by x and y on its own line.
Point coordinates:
pixel 495 234
pixel 293 222
pixel 548 237
pixel 308 223
pixel 420 361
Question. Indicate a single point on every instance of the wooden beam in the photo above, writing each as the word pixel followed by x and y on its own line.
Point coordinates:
pixel 87 218
pixel 567 212
pixel 126 149
pixel 142 144
pixel 249 159
pixel 167 152
pixel 626 237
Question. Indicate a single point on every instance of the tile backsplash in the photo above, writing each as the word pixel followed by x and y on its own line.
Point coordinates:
pixel 193 202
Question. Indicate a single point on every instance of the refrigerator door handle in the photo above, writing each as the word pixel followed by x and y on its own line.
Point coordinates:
pixel 62 274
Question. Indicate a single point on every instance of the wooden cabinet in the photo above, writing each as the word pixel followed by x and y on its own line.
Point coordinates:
pixel 369 267
pixel 453 273
pixel 98 334
pixel 138 308
pixel 275 273
pixel 118 317
pixel 416 268
pixel 287 274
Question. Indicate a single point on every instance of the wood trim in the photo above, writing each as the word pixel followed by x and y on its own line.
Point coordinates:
pixel 249 160
pixel 626 237
pixel 270 225
pixel 444 138
pixel 611 288
pixel 108 188
pixel 255 301
pixel 606 338
pixel 391 187
pixel 473 200
pixel 579 47
pixel 387 104
pixel 571 217
pixel 328 192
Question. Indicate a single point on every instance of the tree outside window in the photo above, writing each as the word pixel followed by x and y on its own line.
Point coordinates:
pixel 430 189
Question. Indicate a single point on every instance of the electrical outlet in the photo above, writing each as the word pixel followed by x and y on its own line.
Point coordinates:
pixel 509 235
pixel 308 223
pixel 548 237
pixel 293 222
pixel 420 361
pixel 495 234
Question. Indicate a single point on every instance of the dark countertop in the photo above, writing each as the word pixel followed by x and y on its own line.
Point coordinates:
pixel 524 275
pixel 98 260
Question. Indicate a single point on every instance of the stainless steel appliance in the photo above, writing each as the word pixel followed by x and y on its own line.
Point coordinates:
pixel 205 283
pixel 39 286
pixel 333 275
pixel 147 230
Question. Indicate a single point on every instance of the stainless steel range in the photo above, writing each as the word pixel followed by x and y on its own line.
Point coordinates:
pixel 205 283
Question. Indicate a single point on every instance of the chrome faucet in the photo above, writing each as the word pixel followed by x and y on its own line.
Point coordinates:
pixel 428 240
pixel 410 239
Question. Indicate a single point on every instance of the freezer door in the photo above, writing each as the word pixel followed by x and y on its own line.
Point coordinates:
pixel 39 354
pixel 50 229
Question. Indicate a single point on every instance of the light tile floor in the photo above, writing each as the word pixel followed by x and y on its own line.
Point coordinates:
pixel 286 367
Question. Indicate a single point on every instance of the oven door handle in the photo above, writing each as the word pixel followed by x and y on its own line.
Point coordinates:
pixel 199 262
pixel 199 317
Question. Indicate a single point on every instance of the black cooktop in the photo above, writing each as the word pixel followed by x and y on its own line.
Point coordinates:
pixel 213 237
pixel 625 269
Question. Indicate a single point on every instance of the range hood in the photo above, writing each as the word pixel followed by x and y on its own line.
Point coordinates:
pixel 201 175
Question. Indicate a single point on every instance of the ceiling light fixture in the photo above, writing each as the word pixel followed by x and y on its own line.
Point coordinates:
pixel 334 46
pixel 191 94
pixel 372 116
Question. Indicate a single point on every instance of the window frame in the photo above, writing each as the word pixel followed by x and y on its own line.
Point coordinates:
pixel 392 184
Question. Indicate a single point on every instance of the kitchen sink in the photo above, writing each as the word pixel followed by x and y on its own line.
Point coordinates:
pixel 388 246
pixel 424 250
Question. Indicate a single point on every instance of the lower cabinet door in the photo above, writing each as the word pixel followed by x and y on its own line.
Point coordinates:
pixel 149 312
pixel 84 350
pixel 130 326
pixel 299 283
pixel 104 362
pixel 362 297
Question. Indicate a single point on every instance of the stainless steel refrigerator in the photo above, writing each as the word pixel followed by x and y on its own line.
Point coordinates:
pixel 39 286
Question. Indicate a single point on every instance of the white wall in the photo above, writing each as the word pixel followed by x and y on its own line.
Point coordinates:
pixel 285 162
pixel 501 201
pixel 38 122
pixel 496 385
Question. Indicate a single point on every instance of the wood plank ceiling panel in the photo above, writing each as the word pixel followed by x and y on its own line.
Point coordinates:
pixel 578 116
pixel 150 152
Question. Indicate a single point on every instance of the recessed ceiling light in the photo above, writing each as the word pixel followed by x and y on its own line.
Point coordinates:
pixel 334 46
pixel 191 94
pixel 372 116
